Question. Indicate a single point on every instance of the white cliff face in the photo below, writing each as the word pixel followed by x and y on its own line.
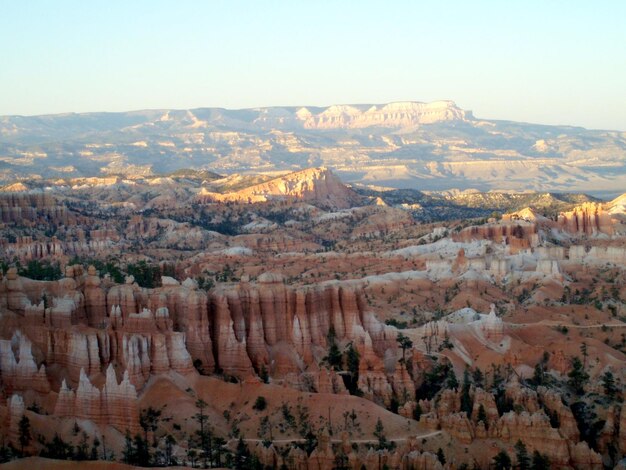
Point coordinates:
pixel 400 114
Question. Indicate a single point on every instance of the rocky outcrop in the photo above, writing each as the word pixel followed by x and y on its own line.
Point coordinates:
pixel 318 185
pixel 589 218
pixel 29 208
pixel 535 431
pixel 20 372
pixel 400 114
pixel 516 235
pixel 598 254
pixel 115 404
pixel 553 403
pixel 582 457
pixel 493 326
pixel 15 412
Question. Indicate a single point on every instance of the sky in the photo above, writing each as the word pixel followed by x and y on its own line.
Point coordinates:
pixel 548 61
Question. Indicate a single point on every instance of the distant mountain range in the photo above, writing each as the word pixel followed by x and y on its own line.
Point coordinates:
pixel 426 146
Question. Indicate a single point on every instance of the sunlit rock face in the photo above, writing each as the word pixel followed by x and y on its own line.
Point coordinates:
pixel 587 219
pixel 318 185
pixel 401 114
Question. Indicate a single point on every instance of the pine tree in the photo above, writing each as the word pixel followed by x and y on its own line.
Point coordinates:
pixel 353 360
pixel 263 375
pixel 523 460
pixel 417 412
pixel 608 382
pixel 497 380
pixel 577 376
pixel 451 380
pixel 379 433
pixel 24 436
pixel 583 351
pixel 334 355
pixel 242 456
pixel 218 445
pixel 482 416
pixel 502 461
pixel 94 449
pixel 405 343
pixel 440 456
pixel 128 454
pixel 203 433
pixel 539 374
pixel 478 378
pixel 540 461
pixel 466 399
pixel 142 451
pixel 149 419
pixel 169 447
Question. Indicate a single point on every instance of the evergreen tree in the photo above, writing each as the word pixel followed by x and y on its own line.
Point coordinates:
pixel 242 459
pixel 451 380
pixel 218 446
pixel 608 382
pixel 539 374
pixel 203 433
pixel 583 351
pixel 192 455
pixel 502 461
pixel 417 412
pixel 129 453
pixel 24 436
pixel 341 461
pixel 169 447
pixel 478 377
pixel 523 460
pixel 334 355
pixel 353 360
pixel 94 449
pixel 379 433
pixel 466 399
pixel 577 376
pixel 58 449
pixel 263 375
pixel 540 461
pixel 143 457
pixel 497 380
pixel 405 343
pixel 482 416
pixel 82 448
pixel 149 420
pixel 440 456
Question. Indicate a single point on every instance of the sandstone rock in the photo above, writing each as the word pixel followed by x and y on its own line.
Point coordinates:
pixel 583 457
pixel 481 397
pixel 323 457
pixel 535 431
pixel 567 423
pixel 95 299
pixel 493 327
pixel 318 185
pixel 458 426
pixel 16 410
pixel 586 219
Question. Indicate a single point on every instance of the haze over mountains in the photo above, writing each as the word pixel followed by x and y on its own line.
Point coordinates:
pixel 403 145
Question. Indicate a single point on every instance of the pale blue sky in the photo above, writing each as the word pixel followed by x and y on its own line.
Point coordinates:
pixel 555 62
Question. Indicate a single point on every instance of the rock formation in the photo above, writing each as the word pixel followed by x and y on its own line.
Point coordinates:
pixel 588 219
pixel 401 114
pixel 318 185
